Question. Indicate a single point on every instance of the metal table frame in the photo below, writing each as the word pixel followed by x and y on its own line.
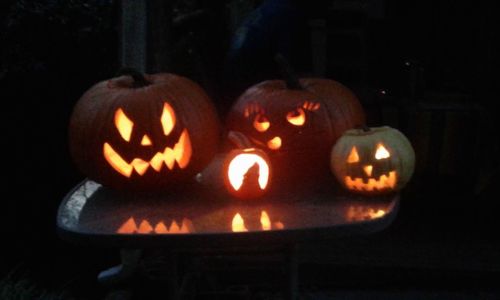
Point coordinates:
pixel 134 247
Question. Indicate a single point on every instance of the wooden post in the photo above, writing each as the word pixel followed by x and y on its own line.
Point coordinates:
pixel 145 34
pixel 133 34
pixel 318 46
pixel 159 35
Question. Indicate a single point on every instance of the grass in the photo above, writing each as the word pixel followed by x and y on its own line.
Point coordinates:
pixel 17 286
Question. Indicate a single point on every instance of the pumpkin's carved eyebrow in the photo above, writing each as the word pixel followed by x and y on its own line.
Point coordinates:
pixel 253 108
pixel 311 106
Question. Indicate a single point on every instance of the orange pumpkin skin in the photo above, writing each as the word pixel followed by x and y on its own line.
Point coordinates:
pixel 169 132
pixel 255 176
pixel 328 109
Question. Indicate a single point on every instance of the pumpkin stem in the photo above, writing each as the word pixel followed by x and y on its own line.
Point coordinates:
pixel 138 77
pixel 291 79
pixel 239 139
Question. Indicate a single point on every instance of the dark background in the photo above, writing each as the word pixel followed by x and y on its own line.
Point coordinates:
pixel 425 68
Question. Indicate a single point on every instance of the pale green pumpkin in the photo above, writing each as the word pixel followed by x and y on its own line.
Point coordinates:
pixel 373 161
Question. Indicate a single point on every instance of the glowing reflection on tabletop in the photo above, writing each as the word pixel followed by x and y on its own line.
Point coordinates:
pixel 92 209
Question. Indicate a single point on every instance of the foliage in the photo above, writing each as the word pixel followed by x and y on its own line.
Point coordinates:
pixel 17 287
pixel 36 33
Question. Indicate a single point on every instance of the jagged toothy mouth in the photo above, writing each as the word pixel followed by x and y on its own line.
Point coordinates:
pixel 370 184
pixel 180 153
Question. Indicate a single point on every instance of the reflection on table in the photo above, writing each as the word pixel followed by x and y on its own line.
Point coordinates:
pixel 93 209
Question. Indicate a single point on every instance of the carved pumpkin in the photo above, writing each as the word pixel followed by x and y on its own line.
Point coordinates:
pixel 246 171
pixel 296 121
pixel 373 160
pixel 143 132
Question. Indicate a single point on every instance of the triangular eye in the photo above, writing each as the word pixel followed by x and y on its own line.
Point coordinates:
pixel 353 156
pixel 167 119
pixel 381 152
pixel 123 124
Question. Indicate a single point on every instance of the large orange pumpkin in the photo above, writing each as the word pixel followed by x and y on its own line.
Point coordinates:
pixel 143 132
pixel 296 120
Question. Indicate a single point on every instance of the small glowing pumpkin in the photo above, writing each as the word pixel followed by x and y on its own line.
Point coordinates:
pixel 143 132
pixel 373 161
pixel 246 171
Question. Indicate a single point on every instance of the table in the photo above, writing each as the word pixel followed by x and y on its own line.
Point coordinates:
pixel 198 219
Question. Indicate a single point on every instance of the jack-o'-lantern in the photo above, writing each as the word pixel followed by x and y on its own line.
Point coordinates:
pixel 143 132
pixel 373 161
pixel 246 171
pixel 296 121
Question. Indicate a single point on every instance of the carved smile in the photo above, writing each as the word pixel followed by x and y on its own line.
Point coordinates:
pixel 370 184
pixel 273 144
pixel 180 153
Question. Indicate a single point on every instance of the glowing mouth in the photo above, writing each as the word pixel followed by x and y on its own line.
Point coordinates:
pixel 273 144
pixel 181 153
pixel 383 182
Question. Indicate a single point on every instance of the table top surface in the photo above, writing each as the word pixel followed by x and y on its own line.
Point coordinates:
pixel 193 214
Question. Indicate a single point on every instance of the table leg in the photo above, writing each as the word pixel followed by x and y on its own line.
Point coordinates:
pixel 129 262
pixel 174 290
pixel 293 272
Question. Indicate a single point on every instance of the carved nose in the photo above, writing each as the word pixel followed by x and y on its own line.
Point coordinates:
pixel 146 141
pixel 368 170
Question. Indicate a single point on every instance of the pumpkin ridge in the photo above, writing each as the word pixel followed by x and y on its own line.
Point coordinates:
pixel 397 165
pixel 205 111
pixel 92 125
pixel 94 101
pixel 174 91
pixel 158 91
